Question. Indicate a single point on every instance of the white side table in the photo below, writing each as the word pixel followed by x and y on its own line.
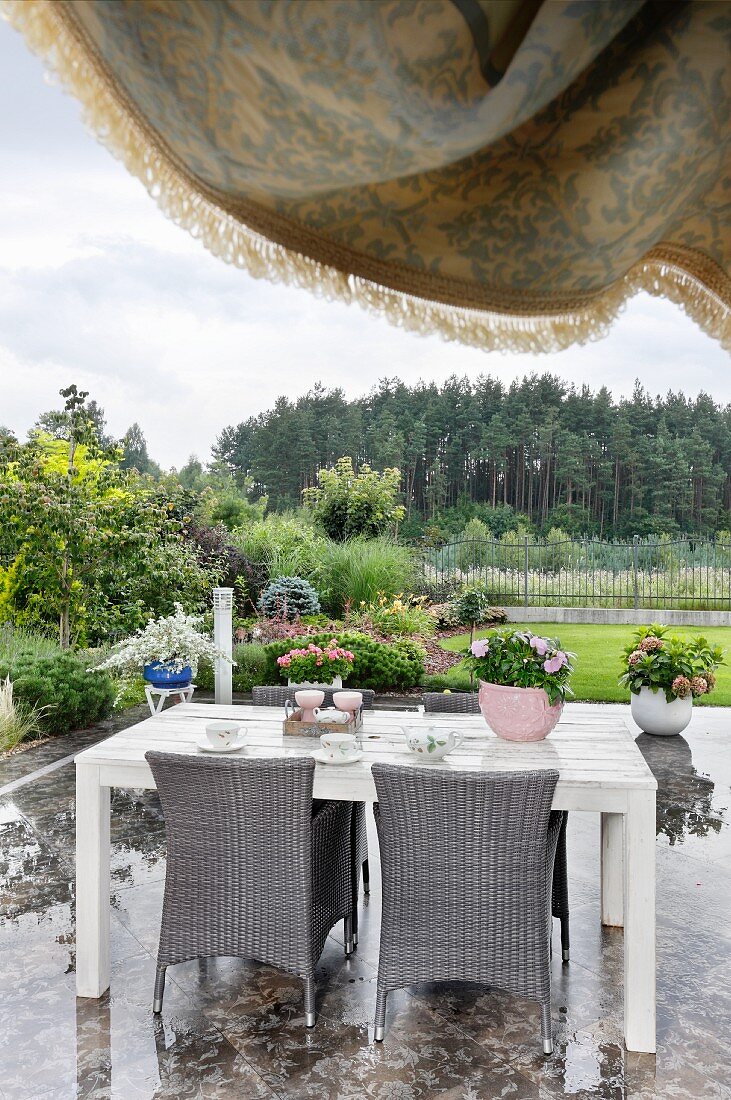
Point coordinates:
pixel 185 694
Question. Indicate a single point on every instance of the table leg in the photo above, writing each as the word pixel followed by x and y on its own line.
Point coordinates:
pixel 92 882
pixel 639 922
pixel 612 841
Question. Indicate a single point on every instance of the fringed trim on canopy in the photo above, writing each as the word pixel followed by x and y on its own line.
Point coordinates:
pixel 685 276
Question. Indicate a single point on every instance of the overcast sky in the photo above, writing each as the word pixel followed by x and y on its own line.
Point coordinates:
pixel 98 288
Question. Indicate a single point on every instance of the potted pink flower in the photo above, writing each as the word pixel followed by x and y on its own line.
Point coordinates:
pixel 664 675
pixel 523 682
pixel 313 665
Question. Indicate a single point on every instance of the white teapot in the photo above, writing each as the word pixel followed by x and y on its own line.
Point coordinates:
pixel 432 743
pixel 330 716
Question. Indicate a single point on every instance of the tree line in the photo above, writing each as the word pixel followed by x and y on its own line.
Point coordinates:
pixel 554 453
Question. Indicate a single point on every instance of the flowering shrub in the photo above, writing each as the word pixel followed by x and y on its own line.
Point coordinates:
pixel 174 641
pixel 679 668
pixel 392 665
pixel 315 663
pixel 517 658
pixel 400 614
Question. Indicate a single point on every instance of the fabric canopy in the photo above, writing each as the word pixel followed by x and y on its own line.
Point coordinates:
pixel 505 172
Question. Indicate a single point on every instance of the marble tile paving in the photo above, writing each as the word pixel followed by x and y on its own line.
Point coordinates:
pixel 231 1028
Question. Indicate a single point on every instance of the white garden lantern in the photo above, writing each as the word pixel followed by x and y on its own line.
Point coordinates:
pixel 223 602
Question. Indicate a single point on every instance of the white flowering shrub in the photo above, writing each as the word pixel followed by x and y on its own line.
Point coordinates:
pixel 174 641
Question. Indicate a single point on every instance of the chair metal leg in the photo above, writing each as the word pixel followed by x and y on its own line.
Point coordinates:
pixel 159 990
pixel 546 1033
pixel 366 878
pixel 354 924
pixel 565 938
pixel 310 1002
pixel 348 934
pixel 380 1022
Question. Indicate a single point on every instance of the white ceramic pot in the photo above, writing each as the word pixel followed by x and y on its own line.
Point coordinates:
pixel 653 714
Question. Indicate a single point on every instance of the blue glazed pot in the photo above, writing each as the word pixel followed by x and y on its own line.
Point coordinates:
pixel 159 676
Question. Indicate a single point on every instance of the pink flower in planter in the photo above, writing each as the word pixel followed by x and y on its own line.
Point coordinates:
pixel 556 663
pixel 479 647
pixel 698 685
pixel 682 687
pixel 540 645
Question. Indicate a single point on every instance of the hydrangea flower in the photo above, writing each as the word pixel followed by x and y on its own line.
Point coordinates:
pixel 540 645
pixel 698 685
pixel 479 647
pixel 651 644
pixel 681 687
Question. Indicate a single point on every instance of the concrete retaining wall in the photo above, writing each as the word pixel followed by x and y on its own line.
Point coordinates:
pixel 668 617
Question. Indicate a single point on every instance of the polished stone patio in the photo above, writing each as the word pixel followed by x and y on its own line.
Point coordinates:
pixel 234 1029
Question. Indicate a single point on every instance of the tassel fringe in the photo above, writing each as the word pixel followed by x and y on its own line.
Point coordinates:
pixel 684 276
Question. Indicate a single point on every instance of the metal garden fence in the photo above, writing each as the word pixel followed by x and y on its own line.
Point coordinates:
pixel 683 573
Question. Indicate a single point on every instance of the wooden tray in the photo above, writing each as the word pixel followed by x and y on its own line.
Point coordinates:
pixel 293 725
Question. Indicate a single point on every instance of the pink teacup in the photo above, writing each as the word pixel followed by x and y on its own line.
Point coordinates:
pixel 309 700
pixel 350 701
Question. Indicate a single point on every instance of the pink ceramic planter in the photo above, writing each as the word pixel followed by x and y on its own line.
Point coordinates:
pixel 518 714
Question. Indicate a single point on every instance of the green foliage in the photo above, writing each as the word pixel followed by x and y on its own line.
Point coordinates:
pixel 135 456
pixel 676 666
pixel 18 721
pixel 128 692
pixel 289 598
pixel 455 679
pixel 250 670
pixel 537 447
pixel 383 666
pixel 15 640
pixel 518 658
pixel 473 605
pixel 405 615
pixel 474 548
pixel 94 547
pixel 357 570
pixel 286 545
pixel 74 697
pixel 347 504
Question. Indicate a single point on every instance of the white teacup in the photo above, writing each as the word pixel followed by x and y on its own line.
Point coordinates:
pixel 338 746
pixel 222 734
pixel 433 743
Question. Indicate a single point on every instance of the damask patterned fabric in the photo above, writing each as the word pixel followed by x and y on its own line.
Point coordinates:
pixel 504 171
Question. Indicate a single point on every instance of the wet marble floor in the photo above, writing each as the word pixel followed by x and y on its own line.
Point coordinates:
pixel 235 1029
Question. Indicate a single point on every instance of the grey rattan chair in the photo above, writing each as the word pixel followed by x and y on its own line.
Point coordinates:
pixel 457 702
pixel 277 696
pixel 466 867
pixel 466 702
pixel 251 872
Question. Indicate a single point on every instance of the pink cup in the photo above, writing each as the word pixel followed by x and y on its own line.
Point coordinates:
pixel 309 700
pixel 349 701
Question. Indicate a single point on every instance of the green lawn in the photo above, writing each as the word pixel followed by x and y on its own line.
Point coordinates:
pixel 598 652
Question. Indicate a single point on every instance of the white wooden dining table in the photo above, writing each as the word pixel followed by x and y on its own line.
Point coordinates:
pixel 600 768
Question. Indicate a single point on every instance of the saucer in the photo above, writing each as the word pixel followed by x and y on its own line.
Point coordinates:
pixel 205 745
pixel 320 757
